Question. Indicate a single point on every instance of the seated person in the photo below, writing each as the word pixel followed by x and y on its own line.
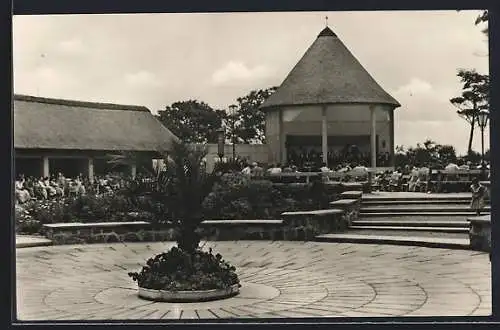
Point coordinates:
pixel 274 169
pixel 324 168
pixel 287 169
pixel 73 188
pixel 247 169
pixel 412 184
pixel 41 189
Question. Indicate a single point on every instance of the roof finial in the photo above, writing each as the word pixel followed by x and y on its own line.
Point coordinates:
pixel 326 21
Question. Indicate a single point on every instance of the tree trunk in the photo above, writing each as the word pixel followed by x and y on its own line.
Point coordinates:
pixel 471 136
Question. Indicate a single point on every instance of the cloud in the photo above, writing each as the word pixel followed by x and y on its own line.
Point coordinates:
pixel 235 71
pixel 424 102
pixel 142 79
pixel 71 46
pixel 415 87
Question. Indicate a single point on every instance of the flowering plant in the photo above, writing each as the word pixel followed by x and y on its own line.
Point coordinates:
pixel 25 223
pixel 179 270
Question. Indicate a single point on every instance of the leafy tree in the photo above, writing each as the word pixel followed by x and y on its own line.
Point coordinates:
pixel 427 154
pixel 446 154
pixel 250 120
pixel 483 18
pixel 474 98
pixel 192 121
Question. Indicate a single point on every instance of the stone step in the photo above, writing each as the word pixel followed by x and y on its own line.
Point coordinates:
pixel 409 196
pixel 412 228
pixel 417 202
pixel 424 241
pixel 415 209
pixel 25 241
pixel 414 214
pixel 413 223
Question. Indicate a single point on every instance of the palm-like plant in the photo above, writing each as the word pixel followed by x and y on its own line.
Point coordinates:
pixel 183 185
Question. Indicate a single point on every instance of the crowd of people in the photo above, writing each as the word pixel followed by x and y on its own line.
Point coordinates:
pixel 413 179
pixel 352 155
pixel 408 178
pixel 58 186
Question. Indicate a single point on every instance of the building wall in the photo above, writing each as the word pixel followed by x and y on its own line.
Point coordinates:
pixel 273 135
pixel 343 120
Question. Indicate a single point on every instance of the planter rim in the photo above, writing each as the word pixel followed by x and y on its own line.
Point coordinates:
pixel 188 296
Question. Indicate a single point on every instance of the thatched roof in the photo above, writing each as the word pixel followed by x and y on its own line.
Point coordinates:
pixel 43 123
pixel 328 73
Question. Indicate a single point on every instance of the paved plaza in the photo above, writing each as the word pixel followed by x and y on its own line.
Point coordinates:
pixel 279 279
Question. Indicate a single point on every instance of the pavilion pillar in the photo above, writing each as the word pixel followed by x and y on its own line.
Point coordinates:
pixel 91 169
pixel 373 137
pixel 391 143
pixel 45 166
pixel 133 170
pixel 324 134
pixel 282 139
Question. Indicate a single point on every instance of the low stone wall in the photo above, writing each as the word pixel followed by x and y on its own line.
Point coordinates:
pixel 480 233
pixel 302 225
pixel 111 232
pixel 350 208
pixel 235 230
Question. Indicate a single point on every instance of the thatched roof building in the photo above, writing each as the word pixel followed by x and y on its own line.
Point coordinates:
pixel 328 73
pixel 330 99
pixel 45 123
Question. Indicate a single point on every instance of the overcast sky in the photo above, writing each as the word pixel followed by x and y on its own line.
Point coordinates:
pixel 157 59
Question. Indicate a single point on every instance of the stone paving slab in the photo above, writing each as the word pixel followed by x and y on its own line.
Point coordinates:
pixel 297 279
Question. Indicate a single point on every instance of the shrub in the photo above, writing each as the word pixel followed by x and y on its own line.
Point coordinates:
pixel 51 211
pixel 236 196
pixel 90 208
pixel 25 223
pixel 178 270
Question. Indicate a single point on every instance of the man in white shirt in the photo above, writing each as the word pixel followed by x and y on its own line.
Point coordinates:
pixel 274 169
pixel 247 170
pixel 324 168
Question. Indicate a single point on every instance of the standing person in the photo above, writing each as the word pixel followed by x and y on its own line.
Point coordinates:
pixel 478 193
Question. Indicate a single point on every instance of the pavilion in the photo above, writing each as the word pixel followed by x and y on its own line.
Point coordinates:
pixel 75 137
pixel 329 101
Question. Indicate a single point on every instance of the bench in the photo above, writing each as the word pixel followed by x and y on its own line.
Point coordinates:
pixel 223 230
pixel 480 233
pixel 78 232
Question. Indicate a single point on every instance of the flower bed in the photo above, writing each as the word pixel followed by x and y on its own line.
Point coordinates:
pixel 170 274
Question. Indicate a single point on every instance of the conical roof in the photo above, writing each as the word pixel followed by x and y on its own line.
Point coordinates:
pixel 328 73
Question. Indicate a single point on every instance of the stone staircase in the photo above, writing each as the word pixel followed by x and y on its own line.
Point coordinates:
pixel 433 220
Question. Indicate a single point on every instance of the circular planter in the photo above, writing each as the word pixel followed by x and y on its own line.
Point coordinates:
pixel 188 296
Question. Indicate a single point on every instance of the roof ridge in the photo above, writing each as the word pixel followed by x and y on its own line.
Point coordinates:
pixel 83 104
pixel 319 78
pixel 327 32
